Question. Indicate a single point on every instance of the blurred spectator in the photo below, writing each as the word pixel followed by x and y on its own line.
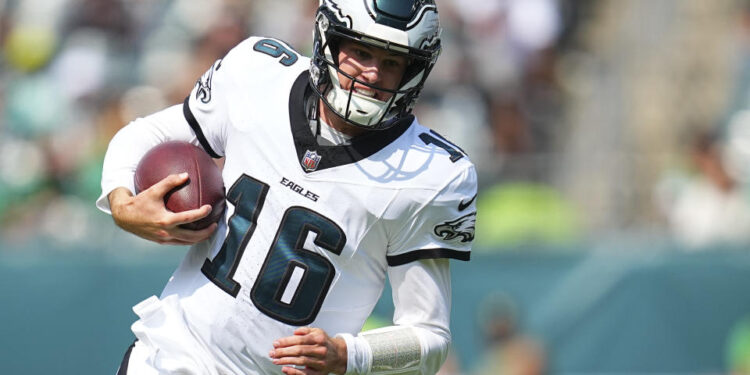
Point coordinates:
pixel 508 351
pixel 740 92
pixel 503 55
pixel 109 17
pixel 708 207
pixel 504 34
pixel 451 365
pixel 736 147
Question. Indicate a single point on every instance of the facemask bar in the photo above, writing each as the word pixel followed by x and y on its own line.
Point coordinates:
pixel 388 107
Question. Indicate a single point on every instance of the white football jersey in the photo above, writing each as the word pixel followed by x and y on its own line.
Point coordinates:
pixel 310 231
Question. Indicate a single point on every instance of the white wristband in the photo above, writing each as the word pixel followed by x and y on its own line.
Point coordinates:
pixel 358 355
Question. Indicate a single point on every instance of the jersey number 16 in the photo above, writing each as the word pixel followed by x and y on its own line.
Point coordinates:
pixel 293 281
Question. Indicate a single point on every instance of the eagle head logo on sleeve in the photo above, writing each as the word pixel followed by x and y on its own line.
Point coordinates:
pixel 462 227
pixel 203 92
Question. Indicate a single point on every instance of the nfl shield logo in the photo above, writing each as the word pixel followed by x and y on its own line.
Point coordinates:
pixel 311 160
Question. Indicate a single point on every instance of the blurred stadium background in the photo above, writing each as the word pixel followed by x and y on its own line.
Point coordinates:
pixel 612 140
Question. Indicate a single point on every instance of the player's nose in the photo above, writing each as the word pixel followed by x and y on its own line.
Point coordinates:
pixel 371 73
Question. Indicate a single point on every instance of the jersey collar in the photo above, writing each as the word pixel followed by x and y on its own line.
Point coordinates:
pixel 361 146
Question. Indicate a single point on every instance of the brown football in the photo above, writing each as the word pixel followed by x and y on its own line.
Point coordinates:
pixel 204 186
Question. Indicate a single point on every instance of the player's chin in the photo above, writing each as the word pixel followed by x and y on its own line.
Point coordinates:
pixel 384 98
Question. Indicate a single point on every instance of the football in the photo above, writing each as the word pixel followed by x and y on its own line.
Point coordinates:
pixel 204 184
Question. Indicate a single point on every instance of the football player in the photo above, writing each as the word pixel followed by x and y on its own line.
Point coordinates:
pixel 332 186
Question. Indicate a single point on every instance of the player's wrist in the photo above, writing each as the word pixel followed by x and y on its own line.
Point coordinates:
pixel 341 354
pixel 358 355
pixel 118 198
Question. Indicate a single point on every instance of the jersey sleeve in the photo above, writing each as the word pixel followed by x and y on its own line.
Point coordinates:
pixel 421 294
pixel 420 338
pixel 440 227
pixel 207 108
pixel 235 87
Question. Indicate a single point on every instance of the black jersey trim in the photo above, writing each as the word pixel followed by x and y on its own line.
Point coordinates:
pixel 123 370
pixel 193 122
pixel 361 147
pixel 397 260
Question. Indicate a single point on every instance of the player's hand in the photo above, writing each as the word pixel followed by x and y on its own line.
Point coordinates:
pixel 146 216
pixel 310 352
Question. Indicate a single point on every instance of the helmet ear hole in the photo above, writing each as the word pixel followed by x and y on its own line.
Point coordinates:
pixel 412 70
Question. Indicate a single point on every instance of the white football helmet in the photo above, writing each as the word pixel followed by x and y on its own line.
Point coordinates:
pixel 406 27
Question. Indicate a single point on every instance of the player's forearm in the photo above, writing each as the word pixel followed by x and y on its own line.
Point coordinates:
pixel 120 162
pixel 421 295
pixel 401 349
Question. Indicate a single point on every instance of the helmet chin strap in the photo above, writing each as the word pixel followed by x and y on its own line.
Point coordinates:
pixel 361 109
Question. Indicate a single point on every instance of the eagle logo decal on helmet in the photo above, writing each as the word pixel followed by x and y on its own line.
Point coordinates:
pixel 347 20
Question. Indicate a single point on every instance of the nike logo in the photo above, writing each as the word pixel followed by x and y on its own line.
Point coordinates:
pixel 462 205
